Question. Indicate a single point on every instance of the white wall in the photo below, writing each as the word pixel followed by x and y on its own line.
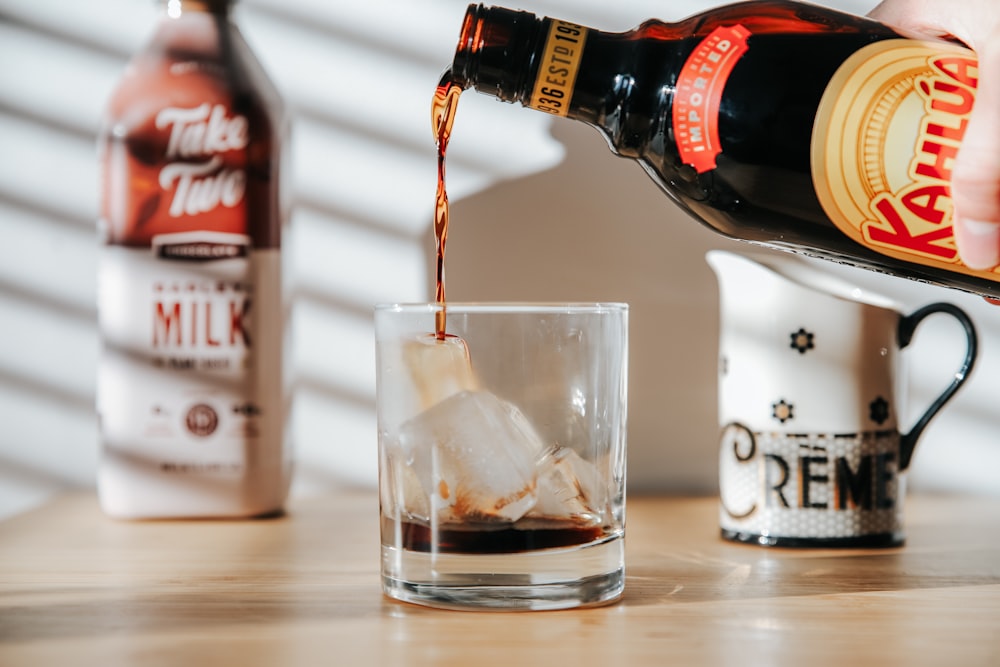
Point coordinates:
pixel 534 201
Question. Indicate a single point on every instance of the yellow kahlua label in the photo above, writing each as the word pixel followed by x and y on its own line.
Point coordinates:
pixel 558 68
pixel 886 134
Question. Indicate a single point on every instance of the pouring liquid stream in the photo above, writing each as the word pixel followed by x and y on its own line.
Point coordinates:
pixel 443 110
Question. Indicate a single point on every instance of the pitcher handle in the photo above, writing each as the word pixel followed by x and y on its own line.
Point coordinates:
pixel 907 326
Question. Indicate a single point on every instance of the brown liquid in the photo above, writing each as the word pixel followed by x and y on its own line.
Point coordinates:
pixel 490 539
pixel 470 538
pixel 442 118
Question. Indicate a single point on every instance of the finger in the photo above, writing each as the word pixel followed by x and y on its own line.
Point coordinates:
pixel 976 174
pixel 920 19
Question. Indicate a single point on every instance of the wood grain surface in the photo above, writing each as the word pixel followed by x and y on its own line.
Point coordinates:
pixel 77 588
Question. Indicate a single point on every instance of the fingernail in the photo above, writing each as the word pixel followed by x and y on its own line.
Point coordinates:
pixel 978 243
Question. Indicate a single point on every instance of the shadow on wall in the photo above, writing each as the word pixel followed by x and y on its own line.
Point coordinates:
pixel 597 228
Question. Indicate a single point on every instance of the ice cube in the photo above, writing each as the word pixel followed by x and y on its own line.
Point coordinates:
pixel 401 491
pixel 416 372
pixel 439 367
pixel 474 455
pixel 568 488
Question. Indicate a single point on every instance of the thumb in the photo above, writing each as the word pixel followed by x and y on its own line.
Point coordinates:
pixel 976 174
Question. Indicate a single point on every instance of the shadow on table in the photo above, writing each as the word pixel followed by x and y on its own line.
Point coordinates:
pixel 701 566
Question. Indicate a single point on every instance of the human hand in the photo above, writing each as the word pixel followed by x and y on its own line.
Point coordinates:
pixel 976 173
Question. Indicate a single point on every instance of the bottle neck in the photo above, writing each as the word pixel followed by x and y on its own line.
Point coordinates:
pixel 496 52
pixel 193 29
pixel 549 65
pixel 178 8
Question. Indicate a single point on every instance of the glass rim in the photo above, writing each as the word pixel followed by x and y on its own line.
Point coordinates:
pixel 505 306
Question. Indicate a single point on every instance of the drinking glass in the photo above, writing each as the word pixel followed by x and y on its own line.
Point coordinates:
pixel 502 440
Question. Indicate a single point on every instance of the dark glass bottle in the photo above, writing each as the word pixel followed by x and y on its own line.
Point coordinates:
pixel 190 391
pixel 776 122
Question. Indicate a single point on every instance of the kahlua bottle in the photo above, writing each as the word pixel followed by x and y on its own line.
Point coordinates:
pixel 781 123
pixel 190 392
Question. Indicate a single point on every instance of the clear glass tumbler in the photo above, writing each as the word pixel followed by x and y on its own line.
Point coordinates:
pixel 502 453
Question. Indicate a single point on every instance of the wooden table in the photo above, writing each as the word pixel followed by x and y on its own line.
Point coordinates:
pixel 79 589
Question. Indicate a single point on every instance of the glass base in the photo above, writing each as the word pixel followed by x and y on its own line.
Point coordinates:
pixel 583 576
pixel 878 540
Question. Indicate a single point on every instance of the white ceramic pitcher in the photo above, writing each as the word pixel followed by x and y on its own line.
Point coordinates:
pixel 810 380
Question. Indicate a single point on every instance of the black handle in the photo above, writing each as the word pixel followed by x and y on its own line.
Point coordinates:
pixel 907 326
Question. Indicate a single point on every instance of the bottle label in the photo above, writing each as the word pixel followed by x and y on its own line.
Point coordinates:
pixel 195 176
pixel 190 377
pixel 699 92
pixel 190 373
pixel 886 134
pixel 558 68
